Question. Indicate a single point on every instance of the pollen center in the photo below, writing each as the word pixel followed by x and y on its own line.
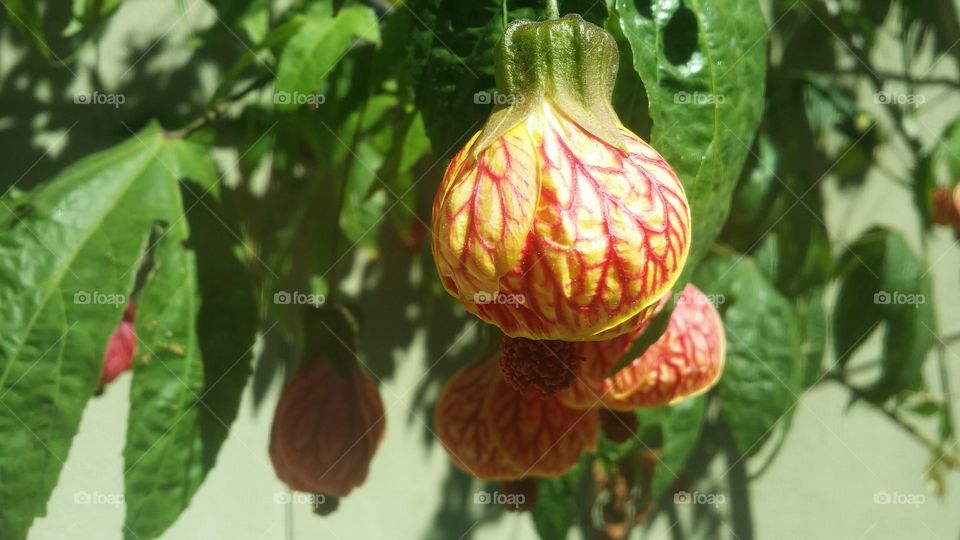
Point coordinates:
pixel 544 366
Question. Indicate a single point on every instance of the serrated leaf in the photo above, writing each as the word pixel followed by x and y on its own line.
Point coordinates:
pixel 72 242
pixel 764 364
pixel 316 48
pixel 198 311
pixel 69 247
pixel 705 86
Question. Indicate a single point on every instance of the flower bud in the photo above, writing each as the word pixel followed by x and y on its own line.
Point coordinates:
pixel 121 348
pixel 555 202
pixel 326 428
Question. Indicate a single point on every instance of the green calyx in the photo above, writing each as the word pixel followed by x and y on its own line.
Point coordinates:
pixel 567 61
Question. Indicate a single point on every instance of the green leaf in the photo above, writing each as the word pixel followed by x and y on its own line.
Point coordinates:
pixel 317 47
pixel 453 46
pixel 198 317
pixel 71 244
pixel 163 457
pixel 680 426
pixel 884 283
pixel 261 51
pixel 25 15
pixel 705 85
pixel 556 510
pixel 86 11
pixel 764 365
pixel 812 316
pixel 72 252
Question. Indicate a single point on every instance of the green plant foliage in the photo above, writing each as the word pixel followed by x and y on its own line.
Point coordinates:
pixel 283 213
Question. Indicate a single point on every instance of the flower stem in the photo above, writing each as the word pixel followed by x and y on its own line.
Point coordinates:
pixel 553 11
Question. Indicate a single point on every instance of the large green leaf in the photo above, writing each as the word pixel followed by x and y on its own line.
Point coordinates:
pixel 316 48
pixel 764 365
pixel 884 282
pixel 197 319
pixel 705 84
pixel 65 250
pixel 71 252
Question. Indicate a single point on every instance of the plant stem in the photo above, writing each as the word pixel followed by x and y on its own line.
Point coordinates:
pixel 215 112
pixel 553 10
pixel 951 459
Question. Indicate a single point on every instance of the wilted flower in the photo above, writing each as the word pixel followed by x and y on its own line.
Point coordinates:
pixel 687 360
pixel 327 426
pixel 493 432
pixel 555 222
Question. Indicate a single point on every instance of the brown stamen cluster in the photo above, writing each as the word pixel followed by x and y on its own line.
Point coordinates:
pixel 546 366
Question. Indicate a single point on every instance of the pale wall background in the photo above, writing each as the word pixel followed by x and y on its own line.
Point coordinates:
pixel 821 486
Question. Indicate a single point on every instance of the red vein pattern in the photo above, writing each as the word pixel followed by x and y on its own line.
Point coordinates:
pixel 327 426
pixel 550 233
pixel 493 432
pixel 687 360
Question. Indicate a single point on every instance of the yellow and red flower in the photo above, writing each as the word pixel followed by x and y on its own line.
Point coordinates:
pixel 555 205
pixel 493 432
pixel 687 360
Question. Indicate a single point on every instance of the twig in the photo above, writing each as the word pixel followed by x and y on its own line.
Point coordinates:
pixel 946 456
pixel 214 113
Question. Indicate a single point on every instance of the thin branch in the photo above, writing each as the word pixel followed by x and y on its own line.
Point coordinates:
pixel 951 459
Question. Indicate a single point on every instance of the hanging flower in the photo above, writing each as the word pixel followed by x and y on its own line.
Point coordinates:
pixel 687 360
pixel 326 428
pixel 555 222
pixel 493 432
